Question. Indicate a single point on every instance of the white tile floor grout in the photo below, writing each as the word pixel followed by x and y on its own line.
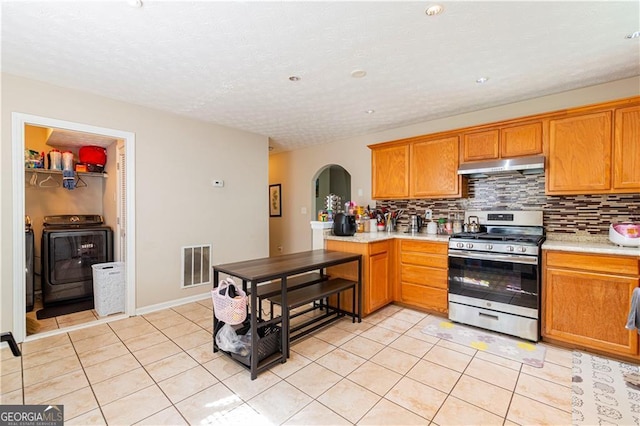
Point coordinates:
pixel 159 368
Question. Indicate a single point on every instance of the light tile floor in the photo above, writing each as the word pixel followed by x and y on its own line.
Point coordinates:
pixel 160 369
pixel 35 326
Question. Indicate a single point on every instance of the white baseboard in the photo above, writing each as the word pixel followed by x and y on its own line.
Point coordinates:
pixel 172 303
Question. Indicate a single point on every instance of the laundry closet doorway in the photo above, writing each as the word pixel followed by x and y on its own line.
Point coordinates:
pixel 116 204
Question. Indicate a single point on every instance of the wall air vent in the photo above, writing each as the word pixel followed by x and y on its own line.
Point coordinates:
pixel 196 266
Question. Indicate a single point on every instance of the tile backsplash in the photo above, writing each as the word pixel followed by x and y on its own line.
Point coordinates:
pixel 572 214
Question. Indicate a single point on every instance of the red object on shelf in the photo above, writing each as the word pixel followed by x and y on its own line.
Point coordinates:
pixel 95 155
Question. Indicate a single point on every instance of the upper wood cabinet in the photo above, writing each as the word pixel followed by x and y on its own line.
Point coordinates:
pixel 434 168
pixel 595 152
pixel 390 171
pixel 517 141
pixel 416 168
pixel 626 149
pixel 503 142
pixel 593 149
pixel 481 145
pixel 580 154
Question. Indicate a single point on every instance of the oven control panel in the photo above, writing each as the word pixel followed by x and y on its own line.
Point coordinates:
pixel 495 247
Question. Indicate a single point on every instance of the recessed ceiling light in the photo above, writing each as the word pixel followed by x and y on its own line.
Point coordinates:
pixel 434 10
pixel 135 3
pixel 294 78
pixel 370 111
pixel 358 73
pixel 633 35
pixel 482 80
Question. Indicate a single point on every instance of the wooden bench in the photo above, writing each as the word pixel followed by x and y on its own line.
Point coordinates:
pixel 318 292
pixel 273 288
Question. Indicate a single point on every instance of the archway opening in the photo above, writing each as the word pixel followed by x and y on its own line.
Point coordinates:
pixel 331 179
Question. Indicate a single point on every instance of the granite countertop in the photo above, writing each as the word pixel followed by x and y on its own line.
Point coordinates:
pixel 370 237
pixel 598 244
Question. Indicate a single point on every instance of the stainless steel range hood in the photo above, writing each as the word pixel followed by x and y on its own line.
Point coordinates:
pixel 525 165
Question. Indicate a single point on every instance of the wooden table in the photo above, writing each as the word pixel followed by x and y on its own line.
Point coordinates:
pixel 254 272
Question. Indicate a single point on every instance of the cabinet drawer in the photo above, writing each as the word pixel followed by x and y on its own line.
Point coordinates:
pixel 422 259
pixel 425 276
pixel 425 297
pixel 379 247
pixel 618 265
pixel 424 247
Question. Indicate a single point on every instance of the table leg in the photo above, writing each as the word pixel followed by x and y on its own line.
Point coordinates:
pixel 360 296
pixel 254 333
pixel 216 275
pixel 353 303
pixel 284 315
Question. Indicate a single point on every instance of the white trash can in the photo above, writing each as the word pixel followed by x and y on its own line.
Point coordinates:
pixel 108 288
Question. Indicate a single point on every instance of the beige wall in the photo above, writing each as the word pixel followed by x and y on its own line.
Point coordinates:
pixel 296 169
pixel 176 205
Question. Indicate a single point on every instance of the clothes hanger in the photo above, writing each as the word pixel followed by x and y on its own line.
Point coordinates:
pixel 81 183
pixel 34 179
pixel 49 178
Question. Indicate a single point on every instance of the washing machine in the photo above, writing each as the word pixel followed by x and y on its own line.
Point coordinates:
pixel 71 244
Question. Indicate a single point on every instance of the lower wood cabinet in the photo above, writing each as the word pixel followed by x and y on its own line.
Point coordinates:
pixel 422 268
pixel 586 300
pixel 376 264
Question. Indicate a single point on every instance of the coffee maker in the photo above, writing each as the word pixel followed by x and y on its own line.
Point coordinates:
pixel 415 223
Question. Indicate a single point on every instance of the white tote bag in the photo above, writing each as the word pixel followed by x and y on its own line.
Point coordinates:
pixel 231 310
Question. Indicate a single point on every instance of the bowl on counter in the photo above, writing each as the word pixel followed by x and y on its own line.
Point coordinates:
pixel 625 234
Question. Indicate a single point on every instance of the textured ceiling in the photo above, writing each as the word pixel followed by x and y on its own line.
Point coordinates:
pixel 229 62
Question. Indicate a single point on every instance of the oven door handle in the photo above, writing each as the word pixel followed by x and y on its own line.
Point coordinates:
pixel 513 258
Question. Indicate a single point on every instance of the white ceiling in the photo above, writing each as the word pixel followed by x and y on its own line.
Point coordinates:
pixel 229 62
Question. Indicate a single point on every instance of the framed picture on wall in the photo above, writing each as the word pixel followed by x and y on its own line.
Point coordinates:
pixel 275 200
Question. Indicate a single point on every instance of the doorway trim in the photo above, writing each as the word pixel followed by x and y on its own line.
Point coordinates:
pixel 19 120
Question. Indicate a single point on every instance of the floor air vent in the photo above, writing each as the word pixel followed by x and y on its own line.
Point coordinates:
pixel 196 265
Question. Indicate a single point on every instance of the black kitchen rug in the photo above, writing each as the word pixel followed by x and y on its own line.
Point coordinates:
pixel 64 309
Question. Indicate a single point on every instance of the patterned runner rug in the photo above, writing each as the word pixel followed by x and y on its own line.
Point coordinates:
pixel 599 393
pixel 483 340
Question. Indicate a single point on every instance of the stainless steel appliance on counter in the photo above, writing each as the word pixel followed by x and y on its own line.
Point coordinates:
pixel 495 273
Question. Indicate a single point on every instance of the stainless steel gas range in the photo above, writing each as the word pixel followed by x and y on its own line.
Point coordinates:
pixel 494 274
